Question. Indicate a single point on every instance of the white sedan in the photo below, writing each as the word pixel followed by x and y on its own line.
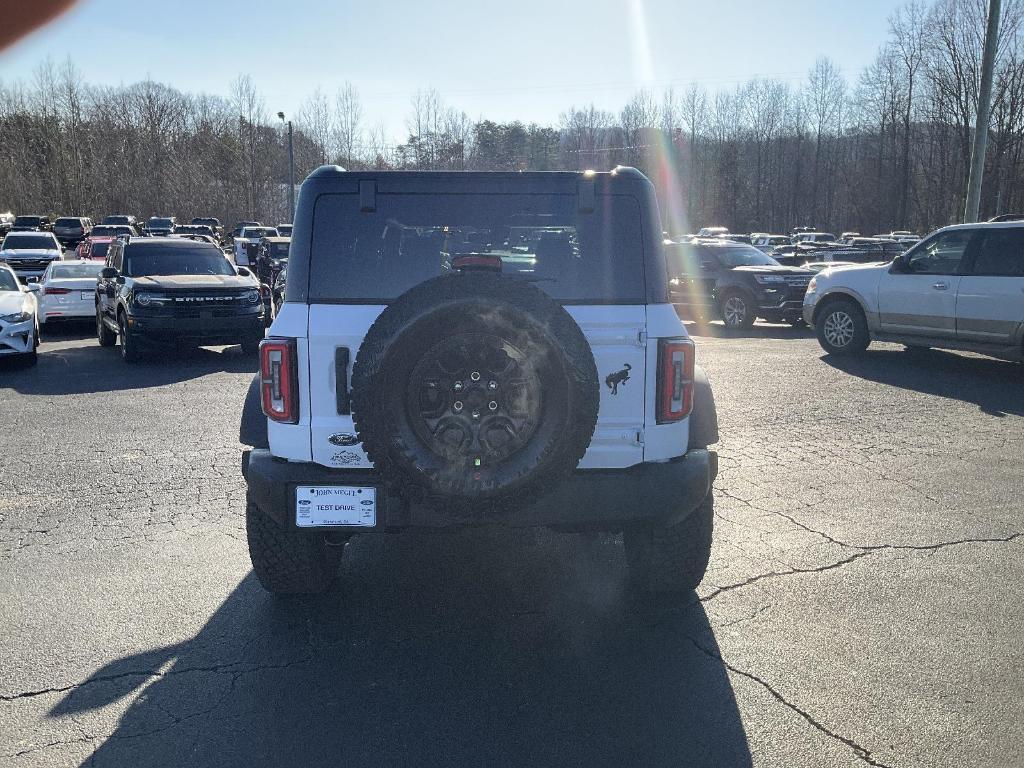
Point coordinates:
pixel 67 290
pixel 19 322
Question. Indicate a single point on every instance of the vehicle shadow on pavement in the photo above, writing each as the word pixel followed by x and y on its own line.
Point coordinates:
pixel 80 370
pixel 995 386
pixel 435 650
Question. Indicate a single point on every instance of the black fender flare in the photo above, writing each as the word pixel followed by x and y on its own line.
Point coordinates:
pixel 704 416
pixel 253 428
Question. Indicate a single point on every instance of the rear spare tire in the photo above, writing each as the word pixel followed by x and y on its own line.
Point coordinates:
pixel 474 387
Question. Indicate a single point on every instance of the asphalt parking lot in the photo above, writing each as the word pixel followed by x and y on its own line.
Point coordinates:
pixel 863 604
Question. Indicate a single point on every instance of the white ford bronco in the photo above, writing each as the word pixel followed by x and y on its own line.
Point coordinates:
pixel 477 348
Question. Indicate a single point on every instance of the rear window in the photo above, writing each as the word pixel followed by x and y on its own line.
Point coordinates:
pixel 68 223
pixel 160 222
pixel 99 249
pixel 28 221
pixel 75 270
pixel 145 260
pixel 541 238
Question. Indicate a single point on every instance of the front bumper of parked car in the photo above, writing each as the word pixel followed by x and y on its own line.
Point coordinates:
pixel 588 499
pixel 17 338
pixel 206 328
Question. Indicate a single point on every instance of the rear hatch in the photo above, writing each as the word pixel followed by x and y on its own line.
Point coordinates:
pixel 589 261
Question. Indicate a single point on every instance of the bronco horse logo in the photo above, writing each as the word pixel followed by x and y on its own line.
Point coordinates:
pixel 612 380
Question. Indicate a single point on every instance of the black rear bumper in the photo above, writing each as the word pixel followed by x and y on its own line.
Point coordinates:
pixel 588 499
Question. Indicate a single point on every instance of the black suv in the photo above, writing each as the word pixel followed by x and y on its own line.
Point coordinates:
pixel 32 223
pixel 71 230
pixel 735 282
pixel 212 222
pixel 157 226
pixel 175 291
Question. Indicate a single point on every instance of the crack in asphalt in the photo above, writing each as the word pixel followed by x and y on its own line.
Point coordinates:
pixel 862 551
pixel 863 753
pixel 155 674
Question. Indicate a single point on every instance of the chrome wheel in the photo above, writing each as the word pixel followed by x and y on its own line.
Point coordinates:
pixel 734 311
pixel 838 328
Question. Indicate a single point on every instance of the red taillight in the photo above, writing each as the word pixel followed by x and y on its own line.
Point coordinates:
pixel 279 380
pixel 675 379
pixel 56 291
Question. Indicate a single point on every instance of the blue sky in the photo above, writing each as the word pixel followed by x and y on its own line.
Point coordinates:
pixel 518 59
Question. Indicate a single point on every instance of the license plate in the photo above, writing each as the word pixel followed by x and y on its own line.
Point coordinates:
pixel 86 295
pixel 322 505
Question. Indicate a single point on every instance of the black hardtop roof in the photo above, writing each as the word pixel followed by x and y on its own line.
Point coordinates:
pixel 137 243
pixel 334 180
pixel 327 176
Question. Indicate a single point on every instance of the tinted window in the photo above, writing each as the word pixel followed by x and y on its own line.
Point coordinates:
pixel 541 238
pixel 75 270
pixel 99 249
pixel 144 260
pixel 941 255
pixel 160 222
pixel 8 282
pixel 67 223
pixel 278 250
pixel 743 256
pixel 116 256
pixel 28 221
pixel 1001 252
pixel 24 240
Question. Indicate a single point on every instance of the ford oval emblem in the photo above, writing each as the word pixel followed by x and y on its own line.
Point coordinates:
pixel 343 438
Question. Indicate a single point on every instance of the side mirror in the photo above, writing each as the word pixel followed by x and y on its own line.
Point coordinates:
pixel 244 272
pixel 108 273
pixel 33 288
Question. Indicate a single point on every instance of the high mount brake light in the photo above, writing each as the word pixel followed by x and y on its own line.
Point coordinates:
pixel 279 380
pixel 56 291
pixel 675 379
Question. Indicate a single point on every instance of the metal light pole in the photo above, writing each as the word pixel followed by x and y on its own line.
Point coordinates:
pixel 291 170
pixel 988 58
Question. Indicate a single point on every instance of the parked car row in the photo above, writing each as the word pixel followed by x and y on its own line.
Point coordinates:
pixel 146 292
pixel 72 230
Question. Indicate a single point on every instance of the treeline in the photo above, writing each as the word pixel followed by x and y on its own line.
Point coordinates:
pixel 888 148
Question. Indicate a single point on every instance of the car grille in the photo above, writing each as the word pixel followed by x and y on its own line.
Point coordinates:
pixel 33 264
pixel 192 303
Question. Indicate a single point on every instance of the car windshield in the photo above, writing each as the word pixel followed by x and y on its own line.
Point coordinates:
pixel 75 270
pixel 28 240
pixel 143 260
pixel 8 282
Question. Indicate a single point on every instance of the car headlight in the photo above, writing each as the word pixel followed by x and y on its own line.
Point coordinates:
pixel 769 279
pixel 813 285
pixel 17 317
pixel 149 298
pixel 252 297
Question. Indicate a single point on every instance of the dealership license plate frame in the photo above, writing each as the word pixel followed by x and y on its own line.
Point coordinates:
pixel 311 514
